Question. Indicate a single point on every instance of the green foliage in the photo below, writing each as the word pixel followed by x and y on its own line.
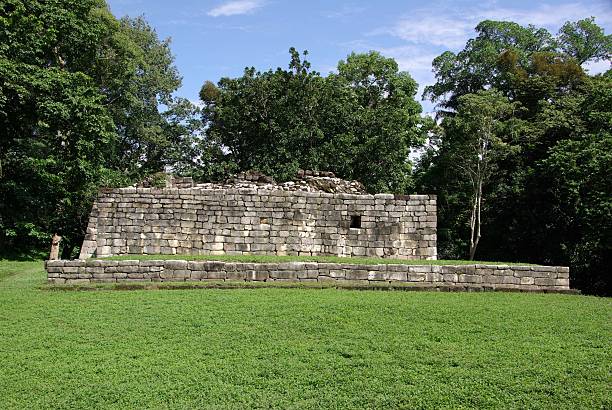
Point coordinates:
pixel 298 348
pixel 477 66
pixel 548 200
pixel 158 180
pixel 359 123
pixel 79 109
pixel 481 135
pixel 585 41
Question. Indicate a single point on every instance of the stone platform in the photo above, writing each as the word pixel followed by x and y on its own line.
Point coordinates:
pixel 461 277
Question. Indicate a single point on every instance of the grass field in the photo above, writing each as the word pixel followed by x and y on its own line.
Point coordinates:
pixel 329 259
pixel 298 348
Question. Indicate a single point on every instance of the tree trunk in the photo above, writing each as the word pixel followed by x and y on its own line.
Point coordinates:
pixel 475 221
pixel 54 255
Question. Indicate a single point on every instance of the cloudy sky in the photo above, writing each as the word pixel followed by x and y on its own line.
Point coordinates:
pixel 218 38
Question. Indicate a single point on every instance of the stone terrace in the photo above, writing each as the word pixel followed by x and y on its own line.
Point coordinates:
pixel 477 276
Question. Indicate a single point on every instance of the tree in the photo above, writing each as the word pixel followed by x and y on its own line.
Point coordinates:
pixel 79 97
pixel 573 184
pixel 585 41
pixel 359 123
pixel 479 137
pixel 267 121
pixel 548 198
pixel 387 123
pixel 477 67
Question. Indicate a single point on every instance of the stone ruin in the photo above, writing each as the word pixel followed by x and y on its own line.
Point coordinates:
pixel 316 214
pixel 251 214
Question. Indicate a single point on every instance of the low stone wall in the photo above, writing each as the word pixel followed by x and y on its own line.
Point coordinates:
pixel 506 277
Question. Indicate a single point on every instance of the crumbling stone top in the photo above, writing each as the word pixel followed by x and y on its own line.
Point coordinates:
pixel 305 181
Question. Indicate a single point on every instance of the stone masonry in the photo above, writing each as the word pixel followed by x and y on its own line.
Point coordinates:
pixel 460 277
pixel 236 221
pixel 250 214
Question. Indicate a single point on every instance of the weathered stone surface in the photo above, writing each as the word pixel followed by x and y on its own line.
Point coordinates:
pixel 463 277
pixel 260 219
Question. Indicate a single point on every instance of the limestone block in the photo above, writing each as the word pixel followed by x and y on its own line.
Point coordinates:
pixel 511 280
pixel 235 275
pixel 198 275
pixel 416 277
pixel 152 263
pixel 545 281
pixel 467 278
pixel 374 275
pixel 419 268
pixel 492 279
pixel 284 274
pixel 252 275
pixel 450 277
pixel 176 265
pixel 433 277
pixel 76 281
pixel 397 276
pixel 527 280
pixel 539 272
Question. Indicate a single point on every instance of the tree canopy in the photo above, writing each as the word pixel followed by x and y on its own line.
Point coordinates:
pixel 549 191
pixel 359 123
pixel 478 66
pixel 79 109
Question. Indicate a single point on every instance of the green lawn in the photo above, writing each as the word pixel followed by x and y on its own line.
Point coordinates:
pixel 330 259
pixel 298 348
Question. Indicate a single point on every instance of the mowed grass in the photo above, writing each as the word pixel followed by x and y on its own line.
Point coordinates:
pixel 300 258
pixel 298 348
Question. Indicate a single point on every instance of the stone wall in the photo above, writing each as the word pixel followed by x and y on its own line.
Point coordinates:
pixel 260 221
pixel 501 277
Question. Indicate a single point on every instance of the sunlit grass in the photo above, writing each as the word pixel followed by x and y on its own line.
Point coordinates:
pixel 298 348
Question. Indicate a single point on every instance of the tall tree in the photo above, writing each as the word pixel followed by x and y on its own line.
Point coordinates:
pixel 359 123
pixel 477 67
pixel 479 142
pixel 79 97
pixel 387 123
pixel 549 192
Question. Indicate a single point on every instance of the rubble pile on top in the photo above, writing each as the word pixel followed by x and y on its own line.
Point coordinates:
pixel 306 180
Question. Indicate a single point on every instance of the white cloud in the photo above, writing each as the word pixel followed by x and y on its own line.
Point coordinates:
pixel 436 30
pixel 552 16
pixel 452 28
pixel 232 8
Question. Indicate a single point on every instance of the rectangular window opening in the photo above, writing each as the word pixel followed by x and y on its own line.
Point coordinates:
pixel 356 221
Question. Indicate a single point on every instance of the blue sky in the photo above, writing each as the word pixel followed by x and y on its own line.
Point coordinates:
pixel 218 38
